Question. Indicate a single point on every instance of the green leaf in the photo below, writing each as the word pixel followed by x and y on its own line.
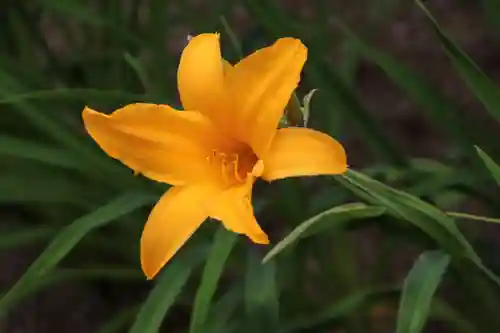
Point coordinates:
pixel 65 275
pixel 348 67
pixel 222 246
pixel 403 206
pixel 334 217
pixel 222 311
pixel 490 164
pixel 440 109
pixel 71 94
pixel 25 149
pixel 166 290
pixel 10 239
pixel 418 289
pixel 480 84
pixel 69 237
pixel 233 38
pixel 54 129
pixel 23 187
pixel 261 295
pixel 138 68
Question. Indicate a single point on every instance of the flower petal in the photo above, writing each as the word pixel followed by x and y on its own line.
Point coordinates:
pixel 164 144
pixel 234 209
pixel 297 151
pixel 172 221
pixel 201 78
pixel 261 86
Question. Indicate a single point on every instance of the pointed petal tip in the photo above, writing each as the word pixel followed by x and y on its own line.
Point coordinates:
pixel 149 271
pixel 89 115
pixel 87 112
pixel 170 224
pixel 301 151
pixel 261 239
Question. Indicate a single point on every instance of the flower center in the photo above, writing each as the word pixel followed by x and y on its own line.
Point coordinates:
pixel 233 167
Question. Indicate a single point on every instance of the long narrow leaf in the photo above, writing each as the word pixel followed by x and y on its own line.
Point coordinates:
pixel 440 109
pixel 334 217
pixel 418 289
pixel 223 244
pixel 480 84
pixel 69 237
pixel 426 217
pixel 493 168
pixel 261 295
pixel 25 149
pixel 164 294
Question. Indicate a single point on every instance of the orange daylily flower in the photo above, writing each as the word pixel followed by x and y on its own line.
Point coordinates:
pixel 213 151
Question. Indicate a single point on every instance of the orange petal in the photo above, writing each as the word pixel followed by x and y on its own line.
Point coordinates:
pixel 261 86
pixel 163 144
pixel 201 78
pixel 297 151
pixel 234 209
pixel 173 220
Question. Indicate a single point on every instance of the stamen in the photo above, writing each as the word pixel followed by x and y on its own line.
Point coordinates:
pixel 229 164
pixel 224 167
pixel 236 169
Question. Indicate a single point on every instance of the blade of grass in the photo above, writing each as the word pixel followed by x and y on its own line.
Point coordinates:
pixel 493 168
pixel 23 187
pixel 11 239
pixel 221 248
pixel 222 311
pixel 235 43
pixel 71 94
pixel 480 84
pixel 403 206
pixel 167 289
pixel 56 130
pixel 25 149
pixel 53 129
pixel 334 217
pixel 69 237
pixel 440 110
pixel 139 70
pixel 418 290
pixel 261 295
pixel 65 275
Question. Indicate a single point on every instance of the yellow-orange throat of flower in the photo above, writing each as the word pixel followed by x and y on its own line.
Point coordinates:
pixel 213 151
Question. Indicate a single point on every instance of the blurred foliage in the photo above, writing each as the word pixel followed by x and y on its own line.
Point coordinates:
pixel 88 210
